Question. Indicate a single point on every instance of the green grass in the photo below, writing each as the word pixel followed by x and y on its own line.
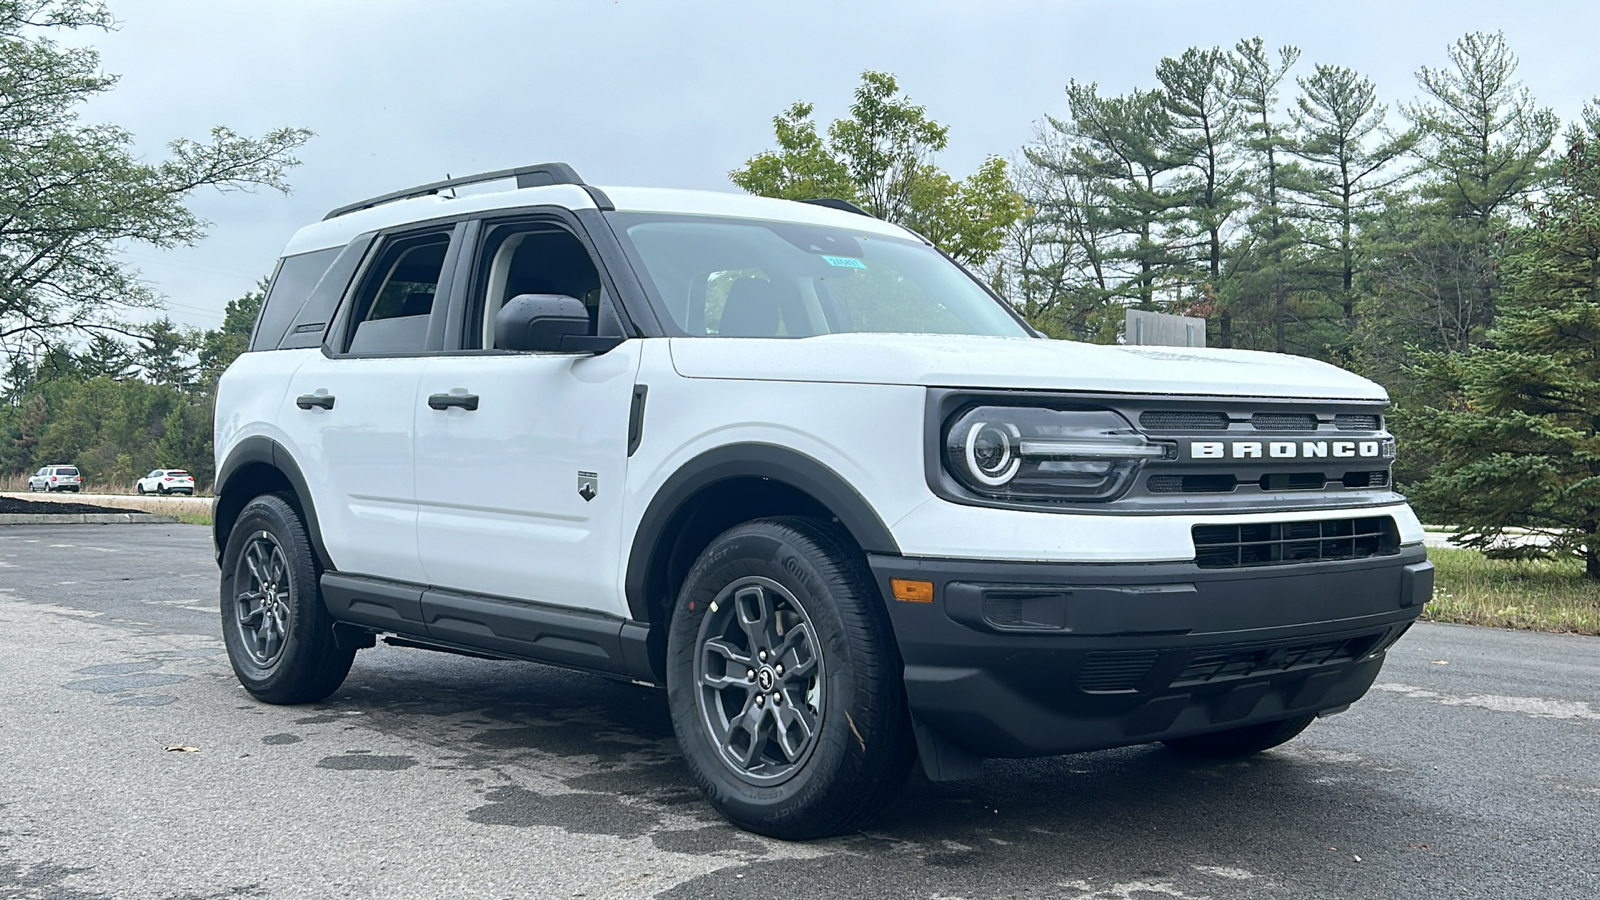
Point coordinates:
pixel 190 518
pixel 1539 595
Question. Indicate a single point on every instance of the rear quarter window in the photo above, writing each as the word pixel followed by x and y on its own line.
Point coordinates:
pixel 291 286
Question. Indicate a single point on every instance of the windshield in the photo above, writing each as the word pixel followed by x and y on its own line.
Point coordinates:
pixel 750 278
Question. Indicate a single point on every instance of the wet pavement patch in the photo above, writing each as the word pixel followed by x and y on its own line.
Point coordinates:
pixel 564 739
pixel 351 762
pixel 116 684
pixel 702 841
pixel 278 740
pixel 147 700
pixel 582 813
pixel 44 880
pixel 655 779
pixel 127 668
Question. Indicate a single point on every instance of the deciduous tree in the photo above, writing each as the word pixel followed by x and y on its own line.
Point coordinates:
pixel 72 193
pixel 880 157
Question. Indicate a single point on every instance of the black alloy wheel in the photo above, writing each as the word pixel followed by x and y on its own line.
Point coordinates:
pixel 261 609
pixel 783 678
pixel 280 637
pixel 760 679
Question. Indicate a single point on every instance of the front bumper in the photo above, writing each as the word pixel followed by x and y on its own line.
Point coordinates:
pixel 1034 659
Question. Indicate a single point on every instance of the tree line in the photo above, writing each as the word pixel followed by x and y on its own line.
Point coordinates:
pixel 118 409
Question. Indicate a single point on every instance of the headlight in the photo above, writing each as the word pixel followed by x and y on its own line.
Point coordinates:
pixel 1030 453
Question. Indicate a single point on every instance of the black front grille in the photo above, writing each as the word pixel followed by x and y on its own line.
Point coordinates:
pixel 1273 481
pixel 1243 660
pixel 1357 422
pixel 1190 484
pixel 1281 543
pixel 1374 479
pixel 1293 481
pixel 1115 671
pixel 1284 422
pixel 1158 420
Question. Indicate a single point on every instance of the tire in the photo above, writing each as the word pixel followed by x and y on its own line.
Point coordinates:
pixel 843 683
pixel 283 652
pixel 161 489
pixel 1239 742
pixel 139 489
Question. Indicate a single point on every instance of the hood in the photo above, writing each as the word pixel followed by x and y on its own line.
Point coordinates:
pixel 965 361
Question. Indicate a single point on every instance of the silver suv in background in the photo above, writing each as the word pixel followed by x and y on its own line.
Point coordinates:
pixel 56 478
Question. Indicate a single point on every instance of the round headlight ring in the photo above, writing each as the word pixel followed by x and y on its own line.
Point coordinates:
pixel 993 452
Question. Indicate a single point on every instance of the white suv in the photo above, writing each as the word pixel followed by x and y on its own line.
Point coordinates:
pixel 166 481
pixel 796 466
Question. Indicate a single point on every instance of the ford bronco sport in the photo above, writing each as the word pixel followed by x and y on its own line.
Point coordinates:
pixel 791 463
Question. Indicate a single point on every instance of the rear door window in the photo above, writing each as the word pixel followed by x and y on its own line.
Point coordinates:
pixel 395 301
pixel 66 470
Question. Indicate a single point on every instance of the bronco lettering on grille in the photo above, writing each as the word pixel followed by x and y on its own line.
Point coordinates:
pixel 1289 449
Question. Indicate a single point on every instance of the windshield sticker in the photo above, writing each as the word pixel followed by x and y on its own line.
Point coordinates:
pixel 845 262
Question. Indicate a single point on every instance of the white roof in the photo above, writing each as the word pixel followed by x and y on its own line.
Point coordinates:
pixel 338 231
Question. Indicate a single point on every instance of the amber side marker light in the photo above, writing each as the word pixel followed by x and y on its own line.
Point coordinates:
pixel 912 591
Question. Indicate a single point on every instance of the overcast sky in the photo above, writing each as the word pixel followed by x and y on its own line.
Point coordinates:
pixel 678 92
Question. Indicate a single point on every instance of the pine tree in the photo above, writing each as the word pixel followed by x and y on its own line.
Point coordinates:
pixel 1202 136
pixel 106 356
pixel 1345 161
pixel 1519 435
pixel 1265 279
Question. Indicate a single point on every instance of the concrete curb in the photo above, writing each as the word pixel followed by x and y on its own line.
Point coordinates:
pixel 85 519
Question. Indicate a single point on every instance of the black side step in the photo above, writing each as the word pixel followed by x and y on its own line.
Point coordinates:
pixel 491 627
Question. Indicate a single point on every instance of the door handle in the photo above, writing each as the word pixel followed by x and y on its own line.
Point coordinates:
pixel 306 401
pixel 445 401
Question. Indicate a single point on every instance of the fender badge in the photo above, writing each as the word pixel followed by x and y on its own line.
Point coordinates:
pixel 588 485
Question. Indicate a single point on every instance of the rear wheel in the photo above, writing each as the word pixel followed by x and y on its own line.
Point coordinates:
pixel 161 489
pixel 784 681
pixel 1239 742
pixel 140 489
pixel 279 635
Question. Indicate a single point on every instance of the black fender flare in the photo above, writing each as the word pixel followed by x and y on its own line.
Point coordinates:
pixel 266 451
pixel 747 460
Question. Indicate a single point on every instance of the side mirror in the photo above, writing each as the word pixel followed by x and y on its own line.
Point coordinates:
pixel 547 323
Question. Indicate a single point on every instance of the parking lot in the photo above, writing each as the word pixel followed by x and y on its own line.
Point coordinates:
pixel 135 766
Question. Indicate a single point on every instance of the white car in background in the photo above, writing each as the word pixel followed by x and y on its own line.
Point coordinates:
pixel 56 478
pixel 166 481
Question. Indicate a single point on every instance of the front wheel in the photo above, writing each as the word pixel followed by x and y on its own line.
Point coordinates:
pixel 784 681
pixel 279 634
pixel 139 488
pixel 1237 742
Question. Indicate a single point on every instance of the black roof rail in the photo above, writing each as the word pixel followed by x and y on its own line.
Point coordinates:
pixel 836 203
pixel 527 176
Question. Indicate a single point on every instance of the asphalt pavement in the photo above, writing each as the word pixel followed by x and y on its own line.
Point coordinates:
pixel 133 765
